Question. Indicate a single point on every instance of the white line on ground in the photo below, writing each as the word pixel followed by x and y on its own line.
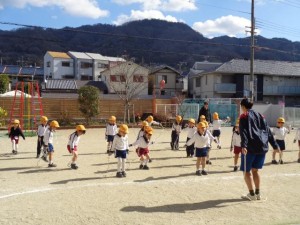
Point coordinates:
pixel 173 181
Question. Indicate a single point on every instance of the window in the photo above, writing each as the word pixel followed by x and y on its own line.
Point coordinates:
pixel 165 78
pixel 85 65
pixel 138 78
pixel 65 64
pixel 101 65
pixel 198 82
pixel 117 78
pixel 48 64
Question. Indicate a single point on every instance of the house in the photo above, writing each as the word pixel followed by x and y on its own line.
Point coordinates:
pixel 172 79
pixel 77 65
pixel 274 81
pixel 58 65
pixel 126 78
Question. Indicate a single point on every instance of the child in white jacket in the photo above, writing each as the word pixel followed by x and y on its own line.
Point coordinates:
pixel 297 138
pixel 236 145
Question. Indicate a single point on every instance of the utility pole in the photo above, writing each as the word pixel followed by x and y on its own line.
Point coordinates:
pixel 252 47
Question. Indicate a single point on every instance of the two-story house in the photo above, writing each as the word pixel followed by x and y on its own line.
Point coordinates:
pixel 274 81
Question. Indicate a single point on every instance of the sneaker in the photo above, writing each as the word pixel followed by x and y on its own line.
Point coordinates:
pixel 44 158
pixel 298 160
pixel 145 167
pixel 14 152
pixel 172 146
pixel 235 168
pixel 204 172
pixel 37 156
pixel 52 165
pixel 274 162
pixel 198 173
pixel 208 162
pixel 107 151
pixel 258 197
pixel 280 161
pixel 124 173
pixel 219 147
pixel 150 160
pixel 119 174
pixel 74 166
pixel 249 197
pixel 141 166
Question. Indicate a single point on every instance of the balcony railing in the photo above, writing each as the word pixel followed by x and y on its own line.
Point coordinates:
pixel 281 90
pixel 225 88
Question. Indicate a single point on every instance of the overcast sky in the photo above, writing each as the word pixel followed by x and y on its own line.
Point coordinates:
pixel 274 18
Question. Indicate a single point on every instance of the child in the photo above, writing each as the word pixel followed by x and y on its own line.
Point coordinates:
pixel 40 133
pixel 151 121
pixel 73 143
pixel 14 134
pixel 236 144
pixel 48 142
pixel 297 137
pixel 120 148
pixel 202 118
pixel 192 129
pixel 110 132
pixel 143 143
pixel 141 134
pixel 176 129
pixel 279 133
pixel 217 127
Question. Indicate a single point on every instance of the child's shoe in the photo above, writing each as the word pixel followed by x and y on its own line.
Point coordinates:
pixel 51 165
pixel 258 197
pixel 124 173
pixel 204 172
pixel 198 173
pixel 74 166
pixel 235 168
pixel 44 158
pixel 37 156
pixel 14 152
pixel 274 162
pixel 119 174
pixel 280 161
pixel 150 160
pixel 145 167
pixel 141 166
pixel 249 197
pixel 298 160
pixel 172 146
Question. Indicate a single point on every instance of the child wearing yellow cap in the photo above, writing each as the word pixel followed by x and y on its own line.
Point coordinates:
pixel 201 140
pixel 279 133
pixel 40 133
pixel 110 132
pixel 176 130
pixel 191 130
pixel 120 148
pixel 14 134
pixel 297 138
pixel 48 142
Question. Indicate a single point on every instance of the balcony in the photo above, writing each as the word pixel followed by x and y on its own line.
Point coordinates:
pixel 281 90
pixel 225 88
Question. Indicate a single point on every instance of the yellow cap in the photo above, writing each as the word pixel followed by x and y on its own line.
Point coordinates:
pixel 206 123
pixel 16 122
pixel 112 119
pixel 54 123
pixel 280 120
pixel 80 128
pixel 201 125
pixel 216 116
pixel 178 119
pixel 149 130
pixel 44 119
pixel 202 117
pixel 123 128
pixel 144 123
pixel 191 120
pixel 149 119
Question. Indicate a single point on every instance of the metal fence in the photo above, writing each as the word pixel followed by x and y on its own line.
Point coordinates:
pixel 171 110
pixel 292 116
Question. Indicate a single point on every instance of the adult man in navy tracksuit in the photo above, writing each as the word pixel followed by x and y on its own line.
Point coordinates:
pixel 255 135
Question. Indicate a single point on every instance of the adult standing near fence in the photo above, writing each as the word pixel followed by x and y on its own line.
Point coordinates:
pixel 255 135
pixel 205 112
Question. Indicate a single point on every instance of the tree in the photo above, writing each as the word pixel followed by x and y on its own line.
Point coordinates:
pixel 128 80
pixel 4 82
pixel 88 98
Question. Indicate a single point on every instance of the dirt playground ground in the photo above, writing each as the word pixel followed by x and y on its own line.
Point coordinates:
pixel 168 193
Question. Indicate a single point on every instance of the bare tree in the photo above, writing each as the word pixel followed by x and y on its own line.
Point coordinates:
pixel 128 80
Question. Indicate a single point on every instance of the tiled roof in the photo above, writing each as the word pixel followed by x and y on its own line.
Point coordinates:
pixel 267 67
pixel 60 84
pixel 79 55
pixel 62 55
pixel 156 69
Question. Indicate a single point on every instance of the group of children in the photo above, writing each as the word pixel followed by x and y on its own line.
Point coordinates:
pixel 198 142
pixel 45 133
